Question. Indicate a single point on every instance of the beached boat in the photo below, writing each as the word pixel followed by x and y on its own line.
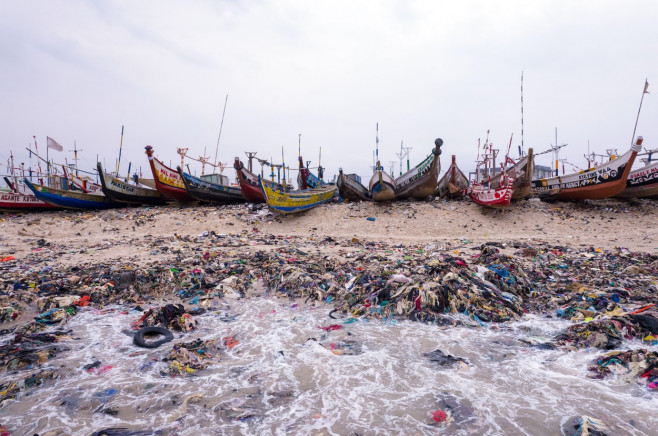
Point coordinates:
pixel 83 183
pixel 167 181
pixel 641 183
pixel 250 186
pixel 602 181
pixel 20 198
pixel 420 181
pixel 454 183
pixel 521 172
pixel 209 188
pixel 71 199
pixel 296 201
pixel 482 190
pixel 306 179
pixel 382 185
pixel 126 192
pixel 499 197
pixel 350 187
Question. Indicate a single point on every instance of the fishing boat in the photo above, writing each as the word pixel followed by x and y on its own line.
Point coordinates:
pixel 296 201
pixel 382 185
pixel 499 197
pixel 125 192
pixel 482 191
pixel 306 179
pixel 71 199
pixel 601 181
pixel 454 183
pixel 521 172
pixel 167 181
pixel 250 186
pixel 350 187
pixel 211 188
pixel 641 183
pixel 420 181
pixel 83 183
pixel 20 199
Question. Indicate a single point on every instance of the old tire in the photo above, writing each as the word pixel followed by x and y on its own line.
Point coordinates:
pixel 139 337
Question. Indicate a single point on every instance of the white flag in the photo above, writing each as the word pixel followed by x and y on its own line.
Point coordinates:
pixel 53 144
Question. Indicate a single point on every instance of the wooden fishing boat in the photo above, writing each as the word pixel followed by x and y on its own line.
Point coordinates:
pixel 521 172
pixel 482 191
pixel 382 185
pixel 420 181
pixel 21 199
pixel 250 186
pixel 306 179
pixel 499 197
pixel 206 188
pixel 124 192
pixel 83 183
pixel 602 181
pixel 641 183
pixel 454 183
pixel 71 199
pixel 350 187
pixel 297 201
pixel 167 181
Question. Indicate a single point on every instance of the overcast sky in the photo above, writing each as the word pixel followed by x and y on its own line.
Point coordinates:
pixel 79 70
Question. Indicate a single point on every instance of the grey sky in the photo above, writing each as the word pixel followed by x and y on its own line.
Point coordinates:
pixel 330 70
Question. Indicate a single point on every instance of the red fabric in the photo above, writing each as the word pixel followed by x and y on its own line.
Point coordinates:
pixel 230 341
pixel 332 327
pixel 439 416
pixel 82 302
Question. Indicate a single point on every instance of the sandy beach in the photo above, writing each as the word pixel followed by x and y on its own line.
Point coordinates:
pixel 126 234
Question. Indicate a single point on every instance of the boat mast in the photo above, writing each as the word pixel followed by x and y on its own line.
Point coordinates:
pixel 75 155
pixel 120 147
pixel 522 149
pixel 283 164
pixel 406 151
pixel 220 131
pixel 401 155
pixel 646 87
pixel 377 145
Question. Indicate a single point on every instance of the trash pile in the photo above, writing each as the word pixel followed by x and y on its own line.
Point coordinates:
pixel 609 295
pixel 608 333
pixel 189 357
pixel 9 391
pixel 639 363
pixel 171 316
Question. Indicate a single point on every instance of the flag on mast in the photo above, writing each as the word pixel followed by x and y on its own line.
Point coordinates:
pixel 51 143
pixel 646 87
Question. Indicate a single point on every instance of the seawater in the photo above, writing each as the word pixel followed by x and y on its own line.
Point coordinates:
pixel 284 378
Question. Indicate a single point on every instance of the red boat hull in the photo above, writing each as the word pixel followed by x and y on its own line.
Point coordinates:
pixel 167 181
pixel 10 201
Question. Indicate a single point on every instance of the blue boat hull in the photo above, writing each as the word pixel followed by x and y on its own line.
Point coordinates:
pixel 73 200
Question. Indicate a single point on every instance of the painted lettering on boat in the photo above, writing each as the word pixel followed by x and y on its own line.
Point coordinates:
pixel 19 198
pixel 123 186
